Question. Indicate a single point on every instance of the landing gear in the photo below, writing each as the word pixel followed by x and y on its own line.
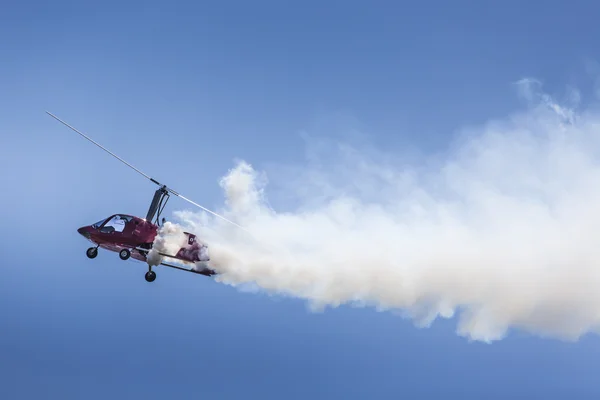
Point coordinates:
pixel 92 252
pixel 150 276
pixel 124 254
pixel 146 246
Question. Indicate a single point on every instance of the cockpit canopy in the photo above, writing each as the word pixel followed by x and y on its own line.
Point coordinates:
pixel 115 223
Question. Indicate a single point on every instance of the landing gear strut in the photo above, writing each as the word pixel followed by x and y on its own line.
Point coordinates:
pixel 92 252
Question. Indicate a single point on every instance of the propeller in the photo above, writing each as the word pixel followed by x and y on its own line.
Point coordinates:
pixel 145 175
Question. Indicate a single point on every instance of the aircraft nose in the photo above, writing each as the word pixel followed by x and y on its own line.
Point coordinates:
pixel 83 231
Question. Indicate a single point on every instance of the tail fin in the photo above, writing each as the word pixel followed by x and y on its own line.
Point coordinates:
pixel 193 251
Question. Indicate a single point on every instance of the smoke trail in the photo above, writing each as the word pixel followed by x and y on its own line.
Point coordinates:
pixel 502 234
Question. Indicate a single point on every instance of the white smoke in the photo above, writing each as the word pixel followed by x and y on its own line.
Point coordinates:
pixel 502 234
pixel 169 239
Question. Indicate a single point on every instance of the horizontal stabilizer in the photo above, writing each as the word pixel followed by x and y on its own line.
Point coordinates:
pixel 205 272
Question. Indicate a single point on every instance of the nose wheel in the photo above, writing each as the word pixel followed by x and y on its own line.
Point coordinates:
pixel 92 252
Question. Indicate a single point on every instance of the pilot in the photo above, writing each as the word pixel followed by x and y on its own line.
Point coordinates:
pixel 118 223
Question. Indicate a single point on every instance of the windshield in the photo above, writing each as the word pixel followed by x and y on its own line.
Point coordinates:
pixel 97 224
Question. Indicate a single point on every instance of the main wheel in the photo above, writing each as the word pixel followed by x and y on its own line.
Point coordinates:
pixel 124 254
pixel 150 276
pixel 92 252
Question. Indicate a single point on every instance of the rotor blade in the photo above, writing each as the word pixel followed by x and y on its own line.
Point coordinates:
pixel 99 145
pixel 213 213
pixel 143 174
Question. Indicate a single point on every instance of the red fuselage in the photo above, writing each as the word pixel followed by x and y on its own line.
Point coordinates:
pixel 122 231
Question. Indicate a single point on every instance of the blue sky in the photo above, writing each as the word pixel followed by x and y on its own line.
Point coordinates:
pixel 183 89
